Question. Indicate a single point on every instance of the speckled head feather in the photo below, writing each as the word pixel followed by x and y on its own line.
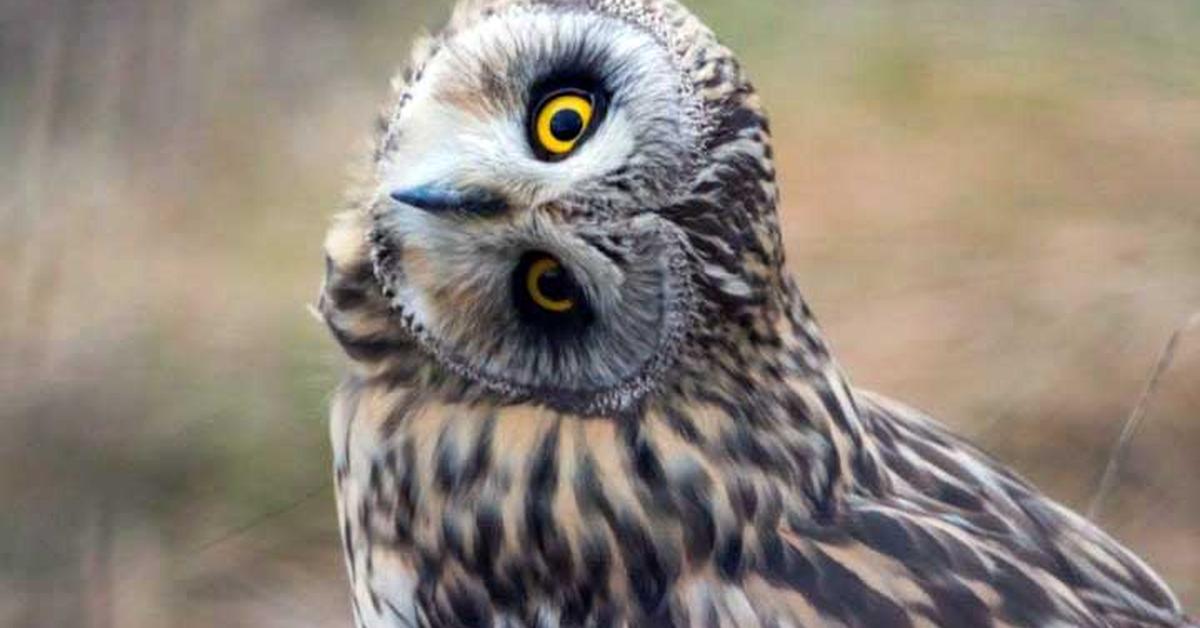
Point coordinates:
pixel 586 393
pixel 630 213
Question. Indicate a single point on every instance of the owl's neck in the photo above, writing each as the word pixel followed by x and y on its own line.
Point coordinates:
pixel 760 431
pixel 771 395
pixel 759 396
pixel 541 497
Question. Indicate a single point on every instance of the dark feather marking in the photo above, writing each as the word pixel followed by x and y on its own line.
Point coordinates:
pixel 646 463
pixel 597 559
pixel 954 604
pixel 348 547
pixel 351 288
pixel 397 615
pixel 364 524
pixel 399 414
pixel 539 499
pixel 652 487
pixel 771 512
pixel 1024 602
pixel 857 603
pixel 729 556
pixel 741 444
pixel 447 465
pixel 452 536
pixel 460 603
pixel 832 589
pixel 835 410
pixel 589 491
pixel 480 459
pixel 405 470
pixel 693 490
pixel 489 535
pixel 507 586
pixel 743 496
pixel 648 572
pixel 365 348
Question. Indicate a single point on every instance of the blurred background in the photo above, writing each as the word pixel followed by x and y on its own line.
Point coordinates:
pixel 994 207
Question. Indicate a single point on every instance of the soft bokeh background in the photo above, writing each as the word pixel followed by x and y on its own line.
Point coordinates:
pixel 993 206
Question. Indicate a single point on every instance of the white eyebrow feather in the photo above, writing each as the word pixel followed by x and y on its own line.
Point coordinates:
pixel 442 143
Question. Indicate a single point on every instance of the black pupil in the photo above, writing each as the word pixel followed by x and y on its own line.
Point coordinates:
pixel 555 304
pixel 555 284
pixel 566 125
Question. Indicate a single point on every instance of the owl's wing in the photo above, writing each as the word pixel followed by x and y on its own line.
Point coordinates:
pixel 885 567
pixel 946 487
pixel 959 541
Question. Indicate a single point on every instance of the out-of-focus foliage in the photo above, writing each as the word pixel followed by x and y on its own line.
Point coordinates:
pixel 993 206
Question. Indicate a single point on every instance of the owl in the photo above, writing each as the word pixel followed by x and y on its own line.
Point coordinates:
pixel 584 391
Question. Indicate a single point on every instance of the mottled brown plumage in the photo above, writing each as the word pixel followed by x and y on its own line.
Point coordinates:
pixel 683 449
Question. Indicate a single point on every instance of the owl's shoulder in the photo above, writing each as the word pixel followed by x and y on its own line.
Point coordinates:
pixel 956 518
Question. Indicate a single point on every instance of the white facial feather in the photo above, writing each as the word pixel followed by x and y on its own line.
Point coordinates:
pixel 463 127
pixel 470 144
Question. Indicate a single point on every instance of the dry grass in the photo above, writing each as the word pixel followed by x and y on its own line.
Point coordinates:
pixel 993 207
pixel 1108 480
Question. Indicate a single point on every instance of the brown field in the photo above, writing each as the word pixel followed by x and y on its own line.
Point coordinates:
pixel 993 206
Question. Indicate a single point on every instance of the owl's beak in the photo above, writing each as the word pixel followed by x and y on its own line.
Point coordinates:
pixel 439 199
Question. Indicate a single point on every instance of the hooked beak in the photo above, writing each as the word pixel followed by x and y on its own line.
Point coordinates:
pixel 439 199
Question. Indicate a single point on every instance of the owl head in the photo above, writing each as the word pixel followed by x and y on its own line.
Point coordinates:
pixel 572 202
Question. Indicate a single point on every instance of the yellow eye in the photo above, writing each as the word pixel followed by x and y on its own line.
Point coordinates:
pixel 549 287
pixel 561 121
